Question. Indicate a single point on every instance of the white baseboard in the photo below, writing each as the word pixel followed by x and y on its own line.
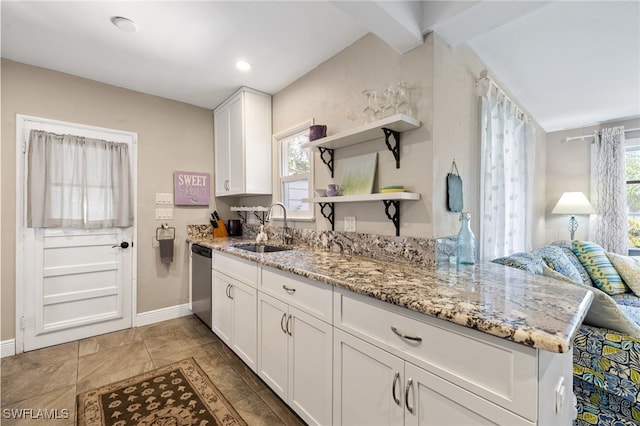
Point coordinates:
pixel 7 348
pixel 164 314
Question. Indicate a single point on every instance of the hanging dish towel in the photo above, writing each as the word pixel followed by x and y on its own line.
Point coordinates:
pixel 166 250
pixel 454 189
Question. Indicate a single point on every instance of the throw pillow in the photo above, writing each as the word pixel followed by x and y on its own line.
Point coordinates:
pixel 526 261
pixel 604 312
pixel 566 248
pixel 555 259
pixel 600 269
pixel 629 269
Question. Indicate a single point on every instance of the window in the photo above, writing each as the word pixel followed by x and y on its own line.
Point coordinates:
pixel 633 190
pixel 294 180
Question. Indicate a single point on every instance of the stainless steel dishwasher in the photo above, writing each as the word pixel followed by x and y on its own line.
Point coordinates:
pixel 201 283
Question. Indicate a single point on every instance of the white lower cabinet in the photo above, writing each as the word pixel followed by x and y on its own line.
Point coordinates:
pixel 295 358
pixel 374 387
pixel 234 316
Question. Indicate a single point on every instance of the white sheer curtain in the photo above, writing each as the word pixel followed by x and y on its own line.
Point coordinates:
pixel 507 177
pixel 77 182
pixel 610 197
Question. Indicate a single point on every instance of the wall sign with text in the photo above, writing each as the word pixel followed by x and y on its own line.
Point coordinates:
pixel 191 188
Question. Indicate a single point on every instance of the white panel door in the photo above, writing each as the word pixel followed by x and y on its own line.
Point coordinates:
pixel 71 284
pixel 245 339
pixel 222 322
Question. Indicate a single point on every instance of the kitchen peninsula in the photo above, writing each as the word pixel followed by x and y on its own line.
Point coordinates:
pixel 403 343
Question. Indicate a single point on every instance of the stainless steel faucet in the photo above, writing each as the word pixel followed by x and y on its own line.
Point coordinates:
pixel 285 230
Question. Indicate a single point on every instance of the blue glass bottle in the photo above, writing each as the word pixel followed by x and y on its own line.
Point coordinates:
pixel 465 242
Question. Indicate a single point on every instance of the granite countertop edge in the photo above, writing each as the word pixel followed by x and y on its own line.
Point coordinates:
pixel 413 288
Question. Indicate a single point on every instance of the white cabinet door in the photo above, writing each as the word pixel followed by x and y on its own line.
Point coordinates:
pixel 367 383
pixel 244 340
pixel 273 343
pixel 432 401
pixel 221 150
pixel 236 147
pixel 222 307
pixel 310 367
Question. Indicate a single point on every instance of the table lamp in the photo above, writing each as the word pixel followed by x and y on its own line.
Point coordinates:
pixel 573 203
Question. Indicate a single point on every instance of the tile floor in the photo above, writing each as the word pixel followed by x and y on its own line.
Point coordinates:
pixel 50 378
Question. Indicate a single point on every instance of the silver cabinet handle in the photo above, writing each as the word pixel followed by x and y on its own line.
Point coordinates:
pixel 229 287
pixel 226 290
pixel 288 289
pixel 406 395
pixel 282 323
pixel 396 379
pixel 404 336
pixel 288 322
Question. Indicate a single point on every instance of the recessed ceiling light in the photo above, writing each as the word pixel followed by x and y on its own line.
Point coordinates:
pixel 243 65
pixel 124 24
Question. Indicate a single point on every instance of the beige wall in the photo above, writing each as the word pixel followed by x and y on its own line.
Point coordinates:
pixel 456 135
pixel 569 169
pixel 328 91
pixel 171 136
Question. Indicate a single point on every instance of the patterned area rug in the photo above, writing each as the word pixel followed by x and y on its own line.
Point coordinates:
pixel 177 394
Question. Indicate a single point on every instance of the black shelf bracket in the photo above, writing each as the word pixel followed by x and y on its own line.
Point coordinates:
pixel 259 216
pixel 396 148
pixel 243 217
pixel 327 161
pixel 395 217
pixel 328 215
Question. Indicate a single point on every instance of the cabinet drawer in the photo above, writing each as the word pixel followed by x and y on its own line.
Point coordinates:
pixel 500 371
pixel 311 296
pixel 236 267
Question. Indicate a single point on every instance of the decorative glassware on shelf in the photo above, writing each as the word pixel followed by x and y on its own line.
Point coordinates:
pixel 403 101
pixel 370 112
pixel 465 241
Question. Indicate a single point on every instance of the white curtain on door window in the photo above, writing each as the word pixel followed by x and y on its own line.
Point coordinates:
pixel 77 182
pixel 507 177
pixel 610 198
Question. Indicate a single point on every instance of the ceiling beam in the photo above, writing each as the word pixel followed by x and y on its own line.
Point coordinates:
pixel 483 17
pixel 397 23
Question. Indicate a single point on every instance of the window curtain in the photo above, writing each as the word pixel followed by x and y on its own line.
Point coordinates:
pixel 611 221
pixel 77 182
pixel 507 165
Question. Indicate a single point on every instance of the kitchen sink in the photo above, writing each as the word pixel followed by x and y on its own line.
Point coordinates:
pixel 260 248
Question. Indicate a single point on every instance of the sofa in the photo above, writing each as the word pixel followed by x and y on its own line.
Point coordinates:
pixel 606 348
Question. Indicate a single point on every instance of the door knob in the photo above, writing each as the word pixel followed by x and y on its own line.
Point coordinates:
pixel 123 245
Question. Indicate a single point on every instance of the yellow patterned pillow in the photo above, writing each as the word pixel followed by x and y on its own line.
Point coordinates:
pixel 595 261
pixel 629 269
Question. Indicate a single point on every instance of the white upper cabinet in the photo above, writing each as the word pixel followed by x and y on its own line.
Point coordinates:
pixel 242 132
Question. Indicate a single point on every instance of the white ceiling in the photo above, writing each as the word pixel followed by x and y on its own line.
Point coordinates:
pixel 568 63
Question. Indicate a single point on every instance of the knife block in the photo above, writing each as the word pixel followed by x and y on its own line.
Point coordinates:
pixel 221 230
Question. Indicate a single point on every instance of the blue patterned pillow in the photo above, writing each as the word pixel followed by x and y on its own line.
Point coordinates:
pixel 555 259
pixel 526 261
pixel 566 248
pixel 595 261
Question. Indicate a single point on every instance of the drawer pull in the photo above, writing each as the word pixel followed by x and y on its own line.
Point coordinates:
pixel 404 336
pixel 396 379
pixel 406 395
pixel 288 289
pixel 282 323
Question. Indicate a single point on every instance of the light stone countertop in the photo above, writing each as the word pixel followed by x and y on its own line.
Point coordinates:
pixel 509 303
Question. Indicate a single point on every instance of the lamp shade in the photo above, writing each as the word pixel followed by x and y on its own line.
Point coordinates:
pixel 573 203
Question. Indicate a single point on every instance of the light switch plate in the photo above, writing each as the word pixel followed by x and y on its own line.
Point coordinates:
pixel 164 214
pixel 164 198
pixel 350 224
